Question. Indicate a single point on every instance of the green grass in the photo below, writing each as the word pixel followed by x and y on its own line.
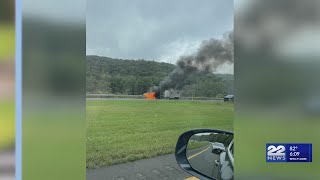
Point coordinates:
pixel 119 131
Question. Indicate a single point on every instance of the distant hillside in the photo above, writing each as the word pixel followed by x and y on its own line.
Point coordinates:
pixel 118 76
pixel 134 77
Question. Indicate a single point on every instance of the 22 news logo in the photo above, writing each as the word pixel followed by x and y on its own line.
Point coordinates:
pixel 276 153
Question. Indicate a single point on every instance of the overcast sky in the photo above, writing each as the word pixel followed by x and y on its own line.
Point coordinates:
pixel 155 30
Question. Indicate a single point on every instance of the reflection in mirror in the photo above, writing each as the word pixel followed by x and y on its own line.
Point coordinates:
pixel 212 154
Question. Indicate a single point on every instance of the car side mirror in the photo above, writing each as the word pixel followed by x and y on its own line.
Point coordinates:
pixel 206 153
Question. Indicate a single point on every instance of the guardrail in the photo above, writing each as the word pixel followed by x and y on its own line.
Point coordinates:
pixel 202 98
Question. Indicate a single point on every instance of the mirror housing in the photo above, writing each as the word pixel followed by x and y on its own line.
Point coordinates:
pixel 181 151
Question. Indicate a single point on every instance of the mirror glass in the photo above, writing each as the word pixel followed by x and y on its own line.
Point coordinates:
pixel 212 154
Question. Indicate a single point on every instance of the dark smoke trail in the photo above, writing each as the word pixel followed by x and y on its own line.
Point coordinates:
pixel 210 55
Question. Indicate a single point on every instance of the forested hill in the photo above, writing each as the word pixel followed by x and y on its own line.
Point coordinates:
pixel 118 76
pixel 134 77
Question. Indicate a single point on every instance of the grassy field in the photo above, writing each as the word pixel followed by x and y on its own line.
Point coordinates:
pixel 119 131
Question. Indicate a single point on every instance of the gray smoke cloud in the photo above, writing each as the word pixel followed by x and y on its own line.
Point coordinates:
pixel 211 55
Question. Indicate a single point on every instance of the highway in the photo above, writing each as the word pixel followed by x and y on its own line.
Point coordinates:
pixel 161 167
pixel 202 159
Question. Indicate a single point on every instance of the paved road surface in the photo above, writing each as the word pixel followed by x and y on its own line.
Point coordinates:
pixel 202 159
pixel 161 167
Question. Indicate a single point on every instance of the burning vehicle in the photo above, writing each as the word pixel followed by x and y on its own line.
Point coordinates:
pixel 172 94
pixel 152 94
pixel 168 94
pixel 149 95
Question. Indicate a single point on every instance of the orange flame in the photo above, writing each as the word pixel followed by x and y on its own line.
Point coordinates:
pixel 150 95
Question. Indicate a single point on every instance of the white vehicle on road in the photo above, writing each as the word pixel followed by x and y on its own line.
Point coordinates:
pixel 172 94
pixel 217 147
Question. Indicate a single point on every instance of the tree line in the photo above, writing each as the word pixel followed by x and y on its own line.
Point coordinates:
pixel 106 75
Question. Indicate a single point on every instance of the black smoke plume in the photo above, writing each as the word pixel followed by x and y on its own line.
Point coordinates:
pixel 211 54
